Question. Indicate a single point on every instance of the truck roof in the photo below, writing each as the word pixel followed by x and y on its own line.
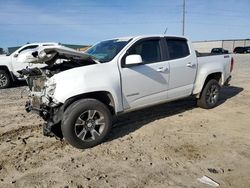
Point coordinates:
pixel 146 36
pixel 42 43
pixel 13 49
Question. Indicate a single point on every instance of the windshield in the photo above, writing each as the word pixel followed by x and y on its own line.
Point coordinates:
pixel 105 51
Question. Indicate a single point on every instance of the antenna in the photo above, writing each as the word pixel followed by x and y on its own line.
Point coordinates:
pixel 166 30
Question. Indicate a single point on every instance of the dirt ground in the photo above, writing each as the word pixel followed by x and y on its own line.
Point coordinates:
pixel 169 145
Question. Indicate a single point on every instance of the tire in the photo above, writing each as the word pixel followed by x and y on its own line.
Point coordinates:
pixel 210 95
pixel 5 79
pixel 86 123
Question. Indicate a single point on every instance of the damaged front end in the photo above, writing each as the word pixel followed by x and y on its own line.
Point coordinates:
pixel 42 84
pixel 41 101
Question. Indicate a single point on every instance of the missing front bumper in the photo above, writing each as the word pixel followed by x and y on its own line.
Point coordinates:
pixel 41 111
pixel 51 116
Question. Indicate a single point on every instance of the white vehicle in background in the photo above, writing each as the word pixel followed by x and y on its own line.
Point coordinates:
pixel 9 64
pixel 79 97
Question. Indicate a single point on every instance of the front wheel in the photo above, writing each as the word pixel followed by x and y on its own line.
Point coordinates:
pixel 86 123
pixel 210 95
pixel 4 79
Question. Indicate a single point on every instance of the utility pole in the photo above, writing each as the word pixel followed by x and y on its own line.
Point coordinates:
pixel 183 17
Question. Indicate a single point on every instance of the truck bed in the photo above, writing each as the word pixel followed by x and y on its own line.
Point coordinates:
pixel 202 54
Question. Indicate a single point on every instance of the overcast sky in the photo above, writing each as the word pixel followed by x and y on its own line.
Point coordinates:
pixel 88 21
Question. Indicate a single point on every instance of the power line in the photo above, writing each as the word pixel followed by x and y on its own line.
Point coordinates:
pixel 219 24
pixel 74 12
pixel 217 14
pixel 102 23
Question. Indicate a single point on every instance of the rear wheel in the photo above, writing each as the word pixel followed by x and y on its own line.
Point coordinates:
pixel 4 79
pixel 86 123
pixel 210 95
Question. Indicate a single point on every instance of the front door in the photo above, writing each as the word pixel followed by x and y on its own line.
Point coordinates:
pixel 146 83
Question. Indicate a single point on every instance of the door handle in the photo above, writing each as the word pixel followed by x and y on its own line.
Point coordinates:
pixel 190 64
pixel 162 69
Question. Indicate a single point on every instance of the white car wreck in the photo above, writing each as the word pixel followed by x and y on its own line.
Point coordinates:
pixel 78 97
pixel 10 63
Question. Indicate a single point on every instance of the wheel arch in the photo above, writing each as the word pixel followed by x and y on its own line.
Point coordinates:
pixel 102 96
pixel 218 76
pixel 5 68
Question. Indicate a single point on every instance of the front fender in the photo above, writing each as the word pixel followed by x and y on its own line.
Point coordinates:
pixel 92 78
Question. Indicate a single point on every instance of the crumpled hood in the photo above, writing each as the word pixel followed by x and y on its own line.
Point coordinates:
pixel 48 54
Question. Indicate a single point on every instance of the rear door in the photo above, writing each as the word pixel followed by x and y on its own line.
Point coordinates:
pixel 146 83
pixel 182 65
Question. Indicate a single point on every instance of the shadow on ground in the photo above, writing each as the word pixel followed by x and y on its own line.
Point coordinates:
pixel 132 121
pixel 19 83
pixel 16 84
pixel 229 92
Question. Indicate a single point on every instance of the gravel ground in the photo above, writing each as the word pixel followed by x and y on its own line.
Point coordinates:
pixel 169 145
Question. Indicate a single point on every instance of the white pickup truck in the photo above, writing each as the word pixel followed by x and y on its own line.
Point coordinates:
pixel 79 97
pixel 9 64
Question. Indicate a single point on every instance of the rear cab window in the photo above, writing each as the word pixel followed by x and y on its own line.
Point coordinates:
pixel 177 48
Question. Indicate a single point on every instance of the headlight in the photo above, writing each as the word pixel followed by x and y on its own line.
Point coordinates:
pixel 50 87
pixel 42 54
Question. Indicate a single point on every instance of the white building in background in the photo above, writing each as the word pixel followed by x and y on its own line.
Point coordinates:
pixel 206 46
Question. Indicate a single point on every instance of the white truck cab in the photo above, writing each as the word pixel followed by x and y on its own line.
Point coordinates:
pixel 80 96
pixel 9 65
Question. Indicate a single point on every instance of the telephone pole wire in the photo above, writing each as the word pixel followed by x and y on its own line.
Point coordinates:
pixel 183 17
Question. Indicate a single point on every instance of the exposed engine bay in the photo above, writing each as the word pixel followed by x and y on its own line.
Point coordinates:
pixel 37 77
pixel 55 68
pixel 58 59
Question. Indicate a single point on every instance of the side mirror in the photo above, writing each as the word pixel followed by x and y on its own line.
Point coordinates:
pixel 15 55
pixel 133 60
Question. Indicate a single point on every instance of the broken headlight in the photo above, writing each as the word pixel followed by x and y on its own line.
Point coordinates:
pixel 42 54
pixel 50 87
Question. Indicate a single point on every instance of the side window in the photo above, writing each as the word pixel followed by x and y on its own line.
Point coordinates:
pixel 28 47
pixel 148 49
pixel 177 48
